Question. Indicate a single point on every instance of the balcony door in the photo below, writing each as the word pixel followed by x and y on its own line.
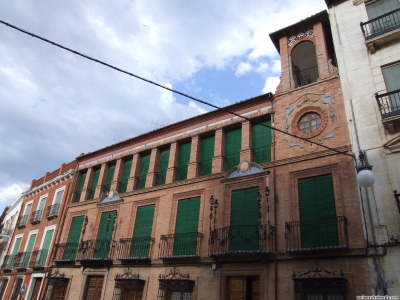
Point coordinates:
pixel 74 235
pixel 391 75
pixel 142 234
pixel 104 234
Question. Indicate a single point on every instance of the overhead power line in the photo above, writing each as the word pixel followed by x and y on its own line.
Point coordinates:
pixel 167 88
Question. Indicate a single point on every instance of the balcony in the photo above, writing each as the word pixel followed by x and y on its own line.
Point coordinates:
pixel 205 167
pixel 305 76
pixel 90 194
pixel 389 106
pixel 141 181
pixel 381 30
pixel 161 177
pixel 134 249
pixel 182 172
pixel 105 189
pixel 52 211
pixel 77 196
pixel 65 253
pixel 180 245
pixel 262 155
pixel 5 235
pixel 96 252
pixel 38 259
pixel 22 260
pixel 317 235
pixel 122 186
pixel 8 263
pixel 21 223
pixel 232 160
pixel 36 216
pixel 242 240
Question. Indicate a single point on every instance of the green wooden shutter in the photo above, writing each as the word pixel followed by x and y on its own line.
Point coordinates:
pixel 142 233
pixel 317 212
pixel 94 183
pixel 45 247
pixel 80 188
pixel 28 250
pixel 110 176
pixel 233 145
pixel 207 154
pixel 184 158
pixel 126 174
pixel 144 169
pixel 73 238
pixel 59 197
pixel 244 220
pixel 261 142
pixel 14 252
pixel 162 173
pixel 186 228
pixel 104 235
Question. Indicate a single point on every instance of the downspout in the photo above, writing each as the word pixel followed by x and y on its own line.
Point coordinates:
pixel 275 194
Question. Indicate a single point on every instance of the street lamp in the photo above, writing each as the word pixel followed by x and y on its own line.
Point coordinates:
pixel 365 176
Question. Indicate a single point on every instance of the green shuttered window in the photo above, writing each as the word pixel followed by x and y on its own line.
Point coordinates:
pixel 110 177
pixel 186 228
pixel 261 142
pixel 94 184
pixel 162 172
pixel 125 175
pixel 317 212
pixel 104 234
pixel 233 145
pixel 183 162
pixel 244 220
pixel 73 238
pixel 28 250
pixel 142 234
pixel 144 169
pixel 45 247
pixel 14 252
pixel 78 192
pixel 207 154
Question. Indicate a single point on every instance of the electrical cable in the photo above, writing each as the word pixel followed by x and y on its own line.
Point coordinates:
pixel 167 88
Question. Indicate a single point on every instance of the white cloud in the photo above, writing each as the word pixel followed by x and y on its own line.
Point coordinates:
pixel 270 85
pixel 243 68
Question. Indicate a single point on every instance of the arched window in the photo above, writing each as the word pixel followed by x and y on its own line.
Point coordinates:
pixel 304 64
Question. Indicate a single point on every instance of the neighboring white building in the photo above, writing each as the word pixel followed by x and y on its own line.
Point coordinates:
pixel 366 35
pixel 8 225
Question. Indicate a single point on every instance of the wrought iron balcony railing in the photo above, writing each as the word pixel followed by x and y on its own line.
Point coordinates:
pixel 205 167
pixel 96 250
pixel 242 240
pixel 134 248
pixel 317 234
pixel 52 210
pixel 22 260
pixel 180 245
pixel 5 231
pixel 389 104
pixel 306 76
pixel 77 196
pixel 90 194
pixel 381 25
pixel 161 177
pixel 182 172
pixel 232 160
pixel 36 216
pixel 122 186
pixel 65 252
pixel 141 181
pixel 22 220
pixel 8 262
pixel 105 188
pixel 262 154
pixel 38 258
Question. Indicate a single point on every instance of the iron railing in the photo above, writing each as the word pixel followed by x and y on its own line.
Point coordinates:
pixel 77 196
pixel 134 248
pixel 306 76
pixel 36 216
pixel 262 155
pixel 5 231
pixel 141 184
pixel 205 167
pixel 22 221
pixel 8 262
pixel 161 177
pixel 232 160
pixel 22 260
pixel 381 25
pixel 242 240
pixel 389 104
pixel 38 258
pixel 182 172
pixel 65 252
pixel 180 245
pixel 90 194
pixel 317 234
pixel 96 250
pixel 52 210
pixel 122 186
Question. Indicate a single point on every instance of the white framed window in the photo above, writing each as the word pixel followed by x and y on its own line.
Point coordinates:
pixel 28 208
pixel 56 203
pixel 45 245
pixel 5 280
pixel 35 286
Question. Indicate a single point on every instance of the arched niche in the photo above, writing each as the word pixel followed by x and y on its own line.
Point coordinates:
pixel 304 64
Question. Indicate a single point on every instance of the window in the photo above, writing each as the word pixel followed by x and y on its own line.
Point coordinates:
pixel 162 171
pixel 320 289
pixel 261 142
pixel 14 252
pixel 68 252
pixel 45 247
pixel 304 64
pixel 125 175
pixel 28 250
pixel 179 289
pixel 37 215
pixel 95 181
pixel 183 161
pixel 23 219
pixel 104 234
pixel 3 286
pixel 391 75
pixel 57 289
pixel 380 7
pixel 94 287
pixel 142 234
pixel 55 207
pixel 310 122
pixel 206 155
pixel 233 145
pixel 144 169
pixel 110 177
pixel 16 288
pixel 37 283
pixel 128 289
pixel 78 192
pixel 244 288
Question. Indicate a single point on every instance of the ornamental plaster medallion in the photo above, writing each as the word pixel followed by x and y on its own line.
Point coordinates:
pixel 322 115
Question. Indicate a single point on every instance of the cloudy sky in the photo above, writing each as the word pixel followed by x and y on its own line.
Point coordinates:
pixel 56 105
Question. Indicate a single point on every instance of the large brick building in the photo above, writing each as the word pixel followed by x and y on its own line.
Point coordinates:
pixel 30 249
pixel 222 207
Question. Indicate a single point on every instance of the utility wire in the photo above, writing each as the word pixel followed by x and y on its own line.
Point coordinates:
pixel 167 88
